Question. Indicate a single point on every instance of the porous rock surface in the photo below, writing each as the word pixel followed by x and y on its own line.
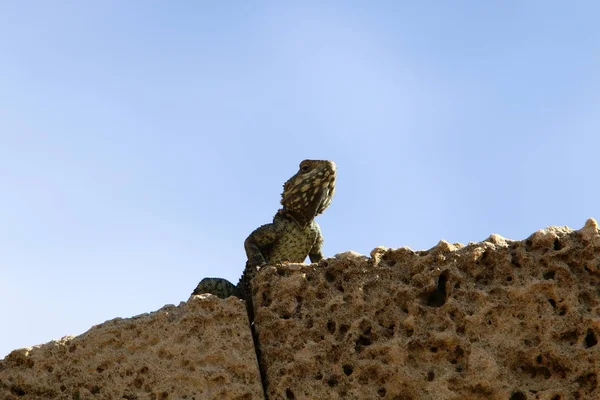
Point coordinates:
pixel 500 319
pixel 201 349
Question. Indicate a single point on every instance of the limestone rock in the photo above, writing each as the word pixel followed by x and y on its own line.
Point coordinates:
pixel 201 349
pixel 500 319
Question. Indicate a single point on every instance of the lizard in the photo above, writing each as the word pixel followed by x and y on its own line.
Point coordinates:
pixel 292 236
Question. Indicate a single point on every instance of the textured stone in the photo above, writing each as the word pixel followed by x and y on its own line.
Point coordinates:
pixel 499 319
pixel 201 349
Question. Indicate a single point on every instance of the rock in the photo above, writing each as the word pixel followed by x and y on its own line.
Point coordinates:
pixel 200 349
pixel 350 255
pixel 499 319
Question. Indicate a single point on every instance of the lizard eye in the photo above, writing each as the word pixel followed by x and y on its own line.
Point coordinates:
pixel 304 167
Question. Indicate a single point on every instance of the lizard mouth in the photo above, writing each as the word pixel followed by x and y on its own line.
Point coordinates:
pixel 333 167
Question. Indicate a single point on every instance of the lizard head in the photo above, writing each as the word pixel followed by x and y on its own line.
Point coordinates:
pixel 309 192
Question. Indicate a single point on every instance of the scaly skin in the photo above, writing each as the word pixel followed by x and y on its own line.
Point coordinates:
pixel 292 236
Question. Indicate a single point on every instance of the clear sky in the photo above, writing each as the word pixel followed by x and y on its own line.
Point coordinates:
pixel 142 141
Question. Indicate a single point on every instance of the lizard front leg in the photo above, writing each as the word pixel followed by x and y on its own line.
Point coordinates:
pixel 257 244
pixel 316 254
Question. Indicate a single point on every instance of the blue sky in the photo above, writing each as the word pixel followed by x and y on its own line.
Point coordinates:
pixel 142 141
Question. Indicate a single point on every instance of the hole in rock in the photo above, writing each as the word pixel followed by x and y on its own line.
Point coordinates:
pixel 481 280
pixel 590 339
pixel 344 328
pixel 557 244
pixel 430 376
pixel 485 258
pixel 265 300
pixel 562 311
pixel 514 260
pixel 535 371
pixel 17 390
pixel 518 396
pixel 332 381
pixel 437 298
pixel 549 274
pixel 331 327
pixel 362 341
pixel 388 331
pixel 458 355
pixel 289 394
pixel 381 392
pixel 348 370
pixel 329 277
pixel 570 336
